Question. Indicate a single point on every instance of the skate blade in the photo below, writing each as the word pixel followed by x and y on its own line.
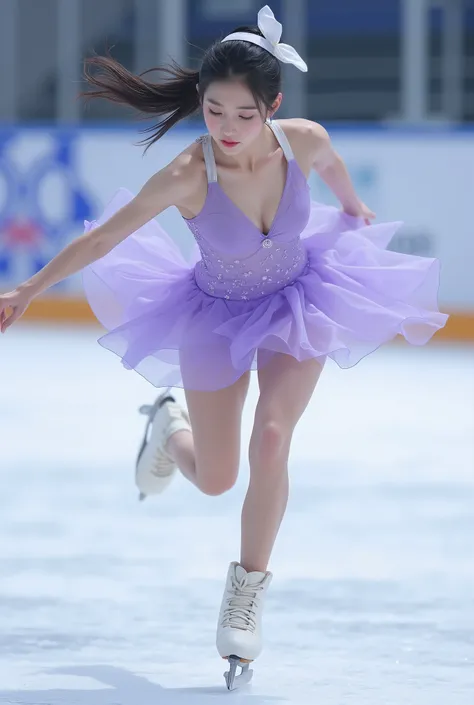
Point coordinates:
pixel 234 681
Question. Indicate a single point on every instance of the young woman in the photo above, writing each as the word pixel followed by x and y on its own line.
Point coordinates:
pixel 278 284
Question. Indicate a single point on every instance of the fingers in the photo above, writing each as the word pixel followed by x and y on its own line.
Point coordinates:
pixel 3 316
pixel 371 216
pixel 6 321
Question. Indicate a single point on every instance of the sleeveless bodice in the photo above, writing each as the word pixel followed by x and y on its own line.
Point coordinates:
pixel 238 261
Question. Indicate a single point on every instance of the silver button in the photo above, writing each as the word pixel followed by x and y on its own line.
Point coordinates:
pixel 267 243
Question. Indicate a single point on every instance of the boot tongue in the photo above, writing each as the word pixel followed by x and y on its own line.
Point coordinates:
pixel 253 578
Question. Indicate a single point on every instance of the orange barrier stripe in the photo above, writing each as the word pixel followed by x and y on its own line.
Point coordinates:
pixel 56 309
pixel 460 325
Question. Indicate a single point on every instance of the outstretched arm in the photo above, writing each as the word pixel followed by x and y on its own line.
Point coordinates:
pixel 331 168
pixel 164 189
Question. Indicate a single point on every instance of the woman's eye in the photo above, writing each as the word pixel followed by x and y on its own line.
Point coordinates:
pixel 213 112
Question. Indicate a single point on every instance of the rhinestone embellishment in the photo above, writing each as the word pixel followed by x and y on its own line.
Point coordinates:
pixel 250 275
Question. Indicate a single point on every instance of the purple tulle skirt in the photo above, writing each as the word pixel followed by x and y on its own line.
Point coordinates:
pixel 353 296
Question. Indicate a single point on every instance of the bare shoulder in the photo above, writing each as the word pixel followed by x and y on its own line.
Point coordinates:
pixel 189 164
pixel 183 176
pixel 304 133
pixel 309 142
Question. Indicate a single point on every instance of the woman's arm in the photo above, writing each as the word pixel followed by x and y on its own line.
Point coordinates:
pixel 168 187
pixel 331 168
pixel 155 196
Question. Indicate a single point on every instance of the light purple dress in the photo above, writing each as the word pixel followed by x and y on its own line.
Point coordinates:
pixel 319 284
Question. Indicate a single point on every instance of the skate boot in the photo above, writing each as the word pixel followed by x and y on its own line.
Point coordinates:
pixel 239 631
pixel 155 469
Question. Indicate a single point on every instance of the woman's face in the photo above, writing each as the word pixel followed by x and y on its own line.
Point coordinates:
pixel 232 116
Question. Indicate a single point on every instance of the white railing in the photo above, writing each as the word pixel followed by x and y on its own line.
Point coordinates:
pixel 160 33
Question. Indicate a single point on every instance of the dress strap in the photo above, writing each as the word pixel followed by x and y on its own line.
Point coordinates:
pixel 282 139
pixel 209 159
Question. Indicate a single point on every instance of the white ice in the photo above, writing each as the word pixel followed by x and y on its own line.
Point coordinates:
pixel 108 601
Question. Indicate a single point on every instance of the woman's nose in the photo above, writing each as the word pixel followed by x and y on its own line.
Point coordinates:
pixel 228 128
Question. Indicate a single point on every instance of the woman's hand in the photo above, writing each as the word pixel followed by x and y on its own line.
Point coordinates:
pixel 360 211
pixel 16 302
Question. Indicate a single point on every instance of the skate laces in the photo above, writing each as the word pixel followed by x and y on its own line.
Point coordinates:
pixel 240 613
pixel 163 464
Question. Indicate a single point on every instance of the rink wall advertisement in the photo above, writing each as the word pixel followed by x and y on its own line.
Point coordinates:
pixel 51 180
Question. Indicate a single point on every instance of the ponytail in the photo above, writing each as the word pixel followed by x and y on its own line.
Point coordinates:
pixel 174 98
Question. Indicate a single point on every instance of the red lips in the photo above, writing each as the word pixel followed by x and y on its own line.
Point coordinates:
pixel 226 143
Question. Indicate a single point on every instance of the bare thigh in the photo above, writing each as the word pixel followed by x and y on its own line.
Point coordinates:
pixel 216 420
pixel 286 387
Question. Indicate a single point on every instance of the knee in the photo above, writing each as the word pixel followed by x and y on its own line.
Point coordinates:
pixel 214 489
pixel 270 440
pixel 216 484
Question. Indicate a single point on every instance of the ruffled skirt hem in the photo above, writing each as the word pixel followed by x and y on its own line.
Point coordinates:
pixel 353 296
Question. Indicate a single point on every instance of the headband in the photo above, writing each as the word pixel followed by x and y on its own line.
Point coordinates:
pixel 271 30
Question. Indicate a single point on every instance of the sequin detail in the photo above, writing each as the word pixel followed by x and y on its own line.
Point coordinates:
pixel 257 275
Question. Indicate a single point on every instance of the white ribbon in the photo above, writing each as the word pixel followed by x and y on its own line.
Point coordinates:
pixel 271 30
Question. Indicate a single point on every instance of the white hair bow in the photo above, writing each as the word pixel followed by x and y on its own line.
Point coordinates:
pixel 271 30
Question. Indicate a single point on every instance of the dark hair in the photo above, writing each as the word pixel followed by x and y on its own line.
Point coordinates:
pixel 176 96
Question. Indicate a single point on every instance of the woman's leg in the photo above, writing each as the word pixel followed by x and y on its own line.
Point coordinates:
pixel 209 457
pixel 286 386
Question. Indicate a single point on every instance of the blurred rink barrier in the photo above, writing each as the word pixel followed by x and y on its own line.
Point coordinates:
pixel 51 180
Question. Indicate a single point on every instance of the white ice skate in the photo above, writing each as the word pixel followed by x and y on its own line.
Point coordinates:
pixel 155 469
pixel 239 631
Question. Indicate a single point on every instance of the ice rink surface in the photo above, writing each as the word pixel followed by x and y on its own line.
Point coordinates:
pixel 108 601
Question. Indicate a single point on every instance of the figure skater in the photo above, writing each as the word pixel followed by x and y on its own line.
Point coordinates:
pixel 278 284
